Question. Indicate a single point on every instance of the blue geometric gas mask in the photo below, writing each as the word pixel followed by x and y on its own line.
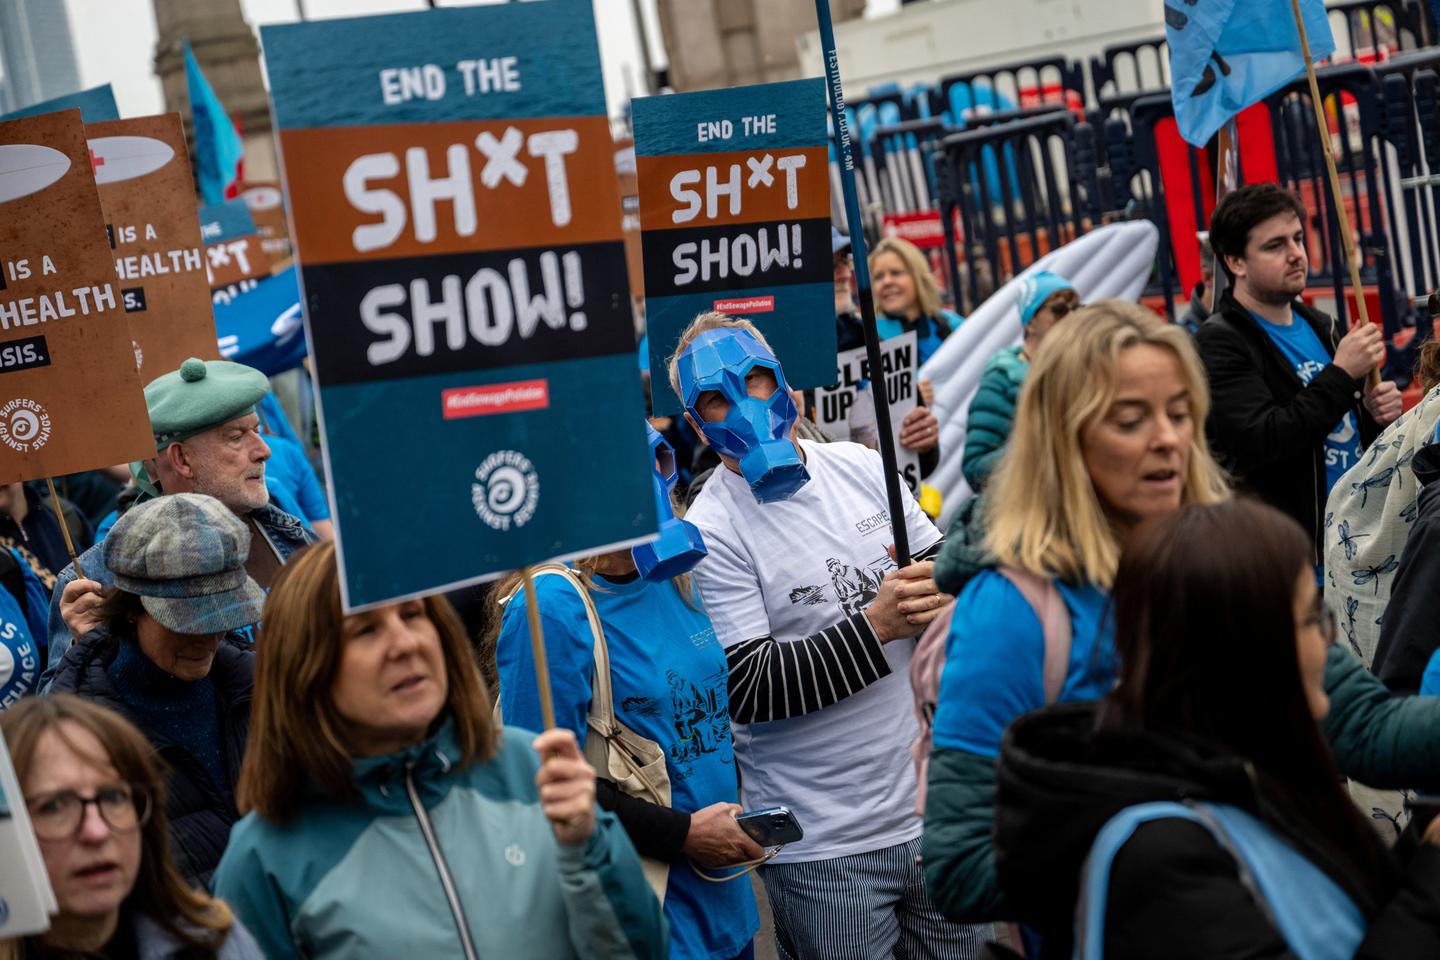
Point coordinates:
pixel 680 545
pixel 755 432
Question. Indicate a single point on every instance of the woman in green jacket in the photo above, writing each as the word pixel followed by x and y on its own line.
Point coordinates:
pixel 388 817
pixel 1044 298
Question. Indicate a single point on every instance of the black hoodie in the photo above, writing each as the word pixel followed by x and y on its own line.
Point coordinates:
pixel 1174 892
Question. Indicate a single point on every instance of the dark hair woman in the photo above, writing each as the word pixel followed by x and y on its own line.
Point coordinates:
pixel 96 798
pixel 1200 796
pixel 388 816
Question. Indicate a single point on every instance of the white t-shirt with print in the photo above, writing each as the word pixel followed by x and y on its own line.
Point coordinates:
pixel 788 570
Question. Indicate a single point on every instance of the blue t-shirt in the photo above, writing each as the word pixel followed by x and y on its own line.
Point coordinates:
pixel 22 636
pixel 292 481
pixel 995 660
pixel 1308 356
pixel 670 680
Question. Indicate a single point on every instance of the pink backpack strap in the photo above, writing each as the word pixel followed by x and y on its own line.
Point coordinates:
pixel 1049 606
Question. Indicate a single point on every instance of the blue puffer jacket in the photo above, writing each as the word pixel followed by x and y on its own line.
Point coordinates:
pixel 284 532
pixel 435 860
pixel 992 414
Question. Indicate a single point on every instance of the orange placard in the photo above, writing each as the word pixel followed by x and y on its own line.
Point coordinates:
pixel 70 398
pixel 142 168
pixel 464 178
pixel 712 187
pixel 266 202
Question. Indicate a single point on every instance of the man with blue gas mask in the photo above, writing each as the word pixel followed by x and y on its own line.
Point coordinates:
pixel 668 680
pixel 817 625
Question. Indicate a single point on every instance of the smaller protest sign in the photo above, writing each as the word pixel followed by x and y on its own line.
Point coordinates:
pixel 846 410
pixel 26 897
pixel 95 104
pixel 263 328
pixel 235 259
pixel 735 218
pixel 266 202
pixel 70 398
pixel 142 168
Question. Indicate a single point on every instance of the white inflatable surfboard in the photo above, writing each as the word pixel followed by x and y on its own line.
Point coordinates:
pixel 1112 261
pixel 125 158
pixel 27 168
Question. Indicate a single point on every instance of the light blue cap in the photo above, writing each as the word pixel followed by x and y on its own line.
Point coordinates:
pixel 1035 289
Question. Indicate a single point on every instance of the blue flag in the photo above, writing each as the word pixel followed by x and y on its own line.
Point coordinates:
pixel 218 148
pixel 1227 54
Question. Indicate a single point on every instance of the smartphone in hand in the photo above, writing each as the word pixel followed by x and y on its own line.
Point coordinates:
pixel 771 827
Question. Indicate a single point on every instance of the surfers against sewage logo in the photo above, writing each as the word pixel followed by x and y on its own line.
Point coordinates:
pixel 506 490
pixel 24 425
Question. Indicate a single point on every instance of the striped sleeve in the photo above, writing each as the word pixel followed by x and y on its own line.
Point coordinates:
pixel 930 552
pixel 774 680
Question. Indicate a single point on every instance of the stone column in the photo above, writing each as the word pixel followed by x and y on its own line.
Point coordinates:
pixel 228 52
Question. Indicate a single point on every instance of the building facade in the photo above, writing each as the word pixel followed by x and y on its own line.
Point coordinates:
pixel 37 53
pixel 727 43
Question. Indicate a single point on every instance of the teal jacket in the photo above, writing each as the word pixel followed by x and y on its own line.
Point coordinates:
pixel 428 847
pixel 992 413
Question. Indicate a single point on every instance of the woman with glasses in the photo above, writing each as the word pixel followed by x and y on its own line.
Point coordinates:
pixel 1044 299
pixel 96 798
pixel 1197 810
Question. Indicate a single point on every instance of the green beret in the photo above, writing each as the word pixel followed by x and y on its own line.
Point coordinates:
pixel 200 395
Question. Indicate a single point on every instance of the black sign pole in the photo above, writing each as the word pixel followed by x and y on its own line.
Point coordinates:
pixel 862 281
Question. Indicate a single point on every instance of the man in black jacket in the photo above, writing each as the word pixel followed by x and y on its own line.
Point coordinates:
pixel 1290 410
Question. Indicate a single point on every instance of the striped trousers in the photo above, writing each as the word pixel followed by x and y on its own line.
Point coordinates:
pixel 866 906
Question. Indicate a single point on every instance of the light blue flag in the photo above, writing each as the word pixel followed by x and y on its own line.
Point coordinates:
pixel 218 148
pixel 1228 54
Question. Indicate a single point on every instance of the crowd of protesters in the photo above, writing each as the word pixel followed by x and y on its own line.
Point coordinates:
pixel 1162 688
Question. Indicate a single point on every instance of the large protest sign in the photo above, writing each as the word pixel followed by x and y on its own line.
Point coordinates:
pixel 455 214
pixel 262 327
pixel 846 410
pixel 235 258
pixel 95 104
pixel 735 217
pixel 70 398
pixel 143 171
pixel 266 202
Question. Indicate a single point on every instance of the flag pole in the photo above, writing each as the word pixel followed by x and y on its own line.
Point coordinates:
pixel 878 387
pixel 537 650
pixel 1347 237
pixel 64 527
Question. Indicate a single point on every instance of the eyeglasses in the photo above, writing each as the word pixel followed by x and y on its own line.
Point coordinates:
pixel 58 816
pixel 1065 307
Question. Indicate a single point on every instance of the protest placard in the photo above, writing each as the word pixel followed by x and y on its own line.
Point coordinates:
pixel 26 896
pixel 70 397
pixel 455 215
pixel 266 202
pixel 846 409
pixel 235 257
pixel 143 171
pixel 735 217
pixel 95 104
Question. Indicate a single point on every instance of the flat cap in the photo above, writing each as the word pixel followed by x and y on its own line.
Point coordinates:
pixel 200 395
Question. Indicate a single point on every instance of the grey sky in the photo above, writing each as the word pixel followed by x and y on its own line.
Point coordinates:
pixel 115 41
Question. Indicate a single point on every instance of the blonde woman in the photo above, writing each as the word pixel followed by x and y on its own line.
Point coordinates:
pixel 908 297
pixel 1107 434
